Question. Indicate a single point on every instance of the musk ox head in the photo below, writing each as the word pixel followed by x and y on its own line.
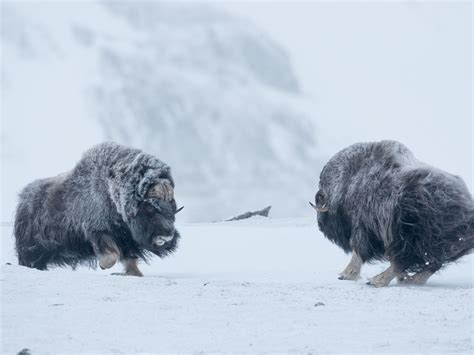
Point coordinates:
pixel 143 193
pixel 321 204
pixel 358 165
pixel 330 183
pixel 326 201
pixel 153 222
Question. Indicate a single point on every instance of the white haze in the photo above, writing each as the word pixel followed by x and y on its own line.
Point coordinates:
pixel 382 69
pixel 209 94
pixel 356 72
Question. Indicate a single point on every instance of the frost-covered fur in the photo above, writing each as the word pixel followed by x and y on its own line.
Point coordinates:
pixel 100 208
pixel 382 203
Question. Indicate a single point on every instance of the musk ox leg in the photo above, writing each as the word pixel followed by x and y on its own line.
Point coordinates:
pixel 131 268
pixel 384 278
pixel 106 249
pixel 38 264
pixel 419 278
pixel 352 270
pixel 107 260
pixel 35 258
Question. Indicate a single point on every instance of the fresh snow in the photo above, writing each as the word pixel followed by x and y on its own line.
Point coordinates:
pixel 259 285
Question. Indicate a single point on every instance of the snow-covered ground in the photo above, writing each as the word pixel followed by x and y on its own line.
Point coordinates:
pixel 261 285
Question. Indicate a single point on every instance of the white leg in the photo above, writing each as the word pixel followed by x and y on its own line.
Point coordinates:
pixel 419 278
pixel 352 270
pixel 131 268
pixel 384 278
pixel 106 261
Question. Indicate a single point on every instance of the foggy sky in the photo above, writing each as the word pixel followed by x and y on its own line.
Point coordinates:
pixel 392 70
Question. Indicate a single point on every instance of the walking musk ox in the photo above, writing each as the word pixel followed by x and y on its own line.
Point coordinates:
pixel 380 203
pixel 116 204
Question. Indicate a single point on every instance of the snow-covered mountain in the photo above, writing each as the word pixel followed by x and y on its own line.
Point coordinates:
pixel 208 93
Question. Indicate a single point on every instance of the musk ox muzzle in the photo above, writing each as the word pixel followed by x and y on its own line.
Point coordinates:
pixel 117 204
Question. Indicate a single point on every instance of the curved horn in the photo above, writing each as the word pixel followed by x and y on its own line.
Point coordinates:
pixel 179 209
pixel 162 189
pixel 324 208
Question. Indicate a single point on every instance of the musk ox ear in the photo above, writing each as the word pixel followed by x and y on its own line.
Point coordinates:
pixel 162 189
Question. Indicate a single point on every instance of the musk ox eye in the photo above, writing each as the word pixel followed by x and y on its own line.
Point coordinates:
pixel 321 202
pixel 320 198
pixel 150 208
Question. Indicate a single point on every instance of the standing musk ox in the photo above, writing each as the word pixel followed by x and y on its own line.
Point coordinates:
pixel 116 204
pixel 380 203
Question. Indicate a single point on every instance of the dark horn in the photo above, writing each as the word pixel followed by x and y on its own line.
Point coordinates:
pixel 179 209
pixel 313 206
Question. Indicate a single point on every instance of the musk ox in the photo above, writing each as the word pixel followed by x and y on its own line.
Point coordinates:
pixel 380 203
pixel 116 204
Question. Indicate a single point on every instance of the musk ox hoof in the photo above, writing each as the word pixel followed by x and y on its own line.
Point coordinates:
pixel 131 268
pixel 106 261
pixel 384 278
pixel 419 278
pixel 379 281
pixel 402 278
pixel 137 273
pixel 353 276
pixel 352 270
